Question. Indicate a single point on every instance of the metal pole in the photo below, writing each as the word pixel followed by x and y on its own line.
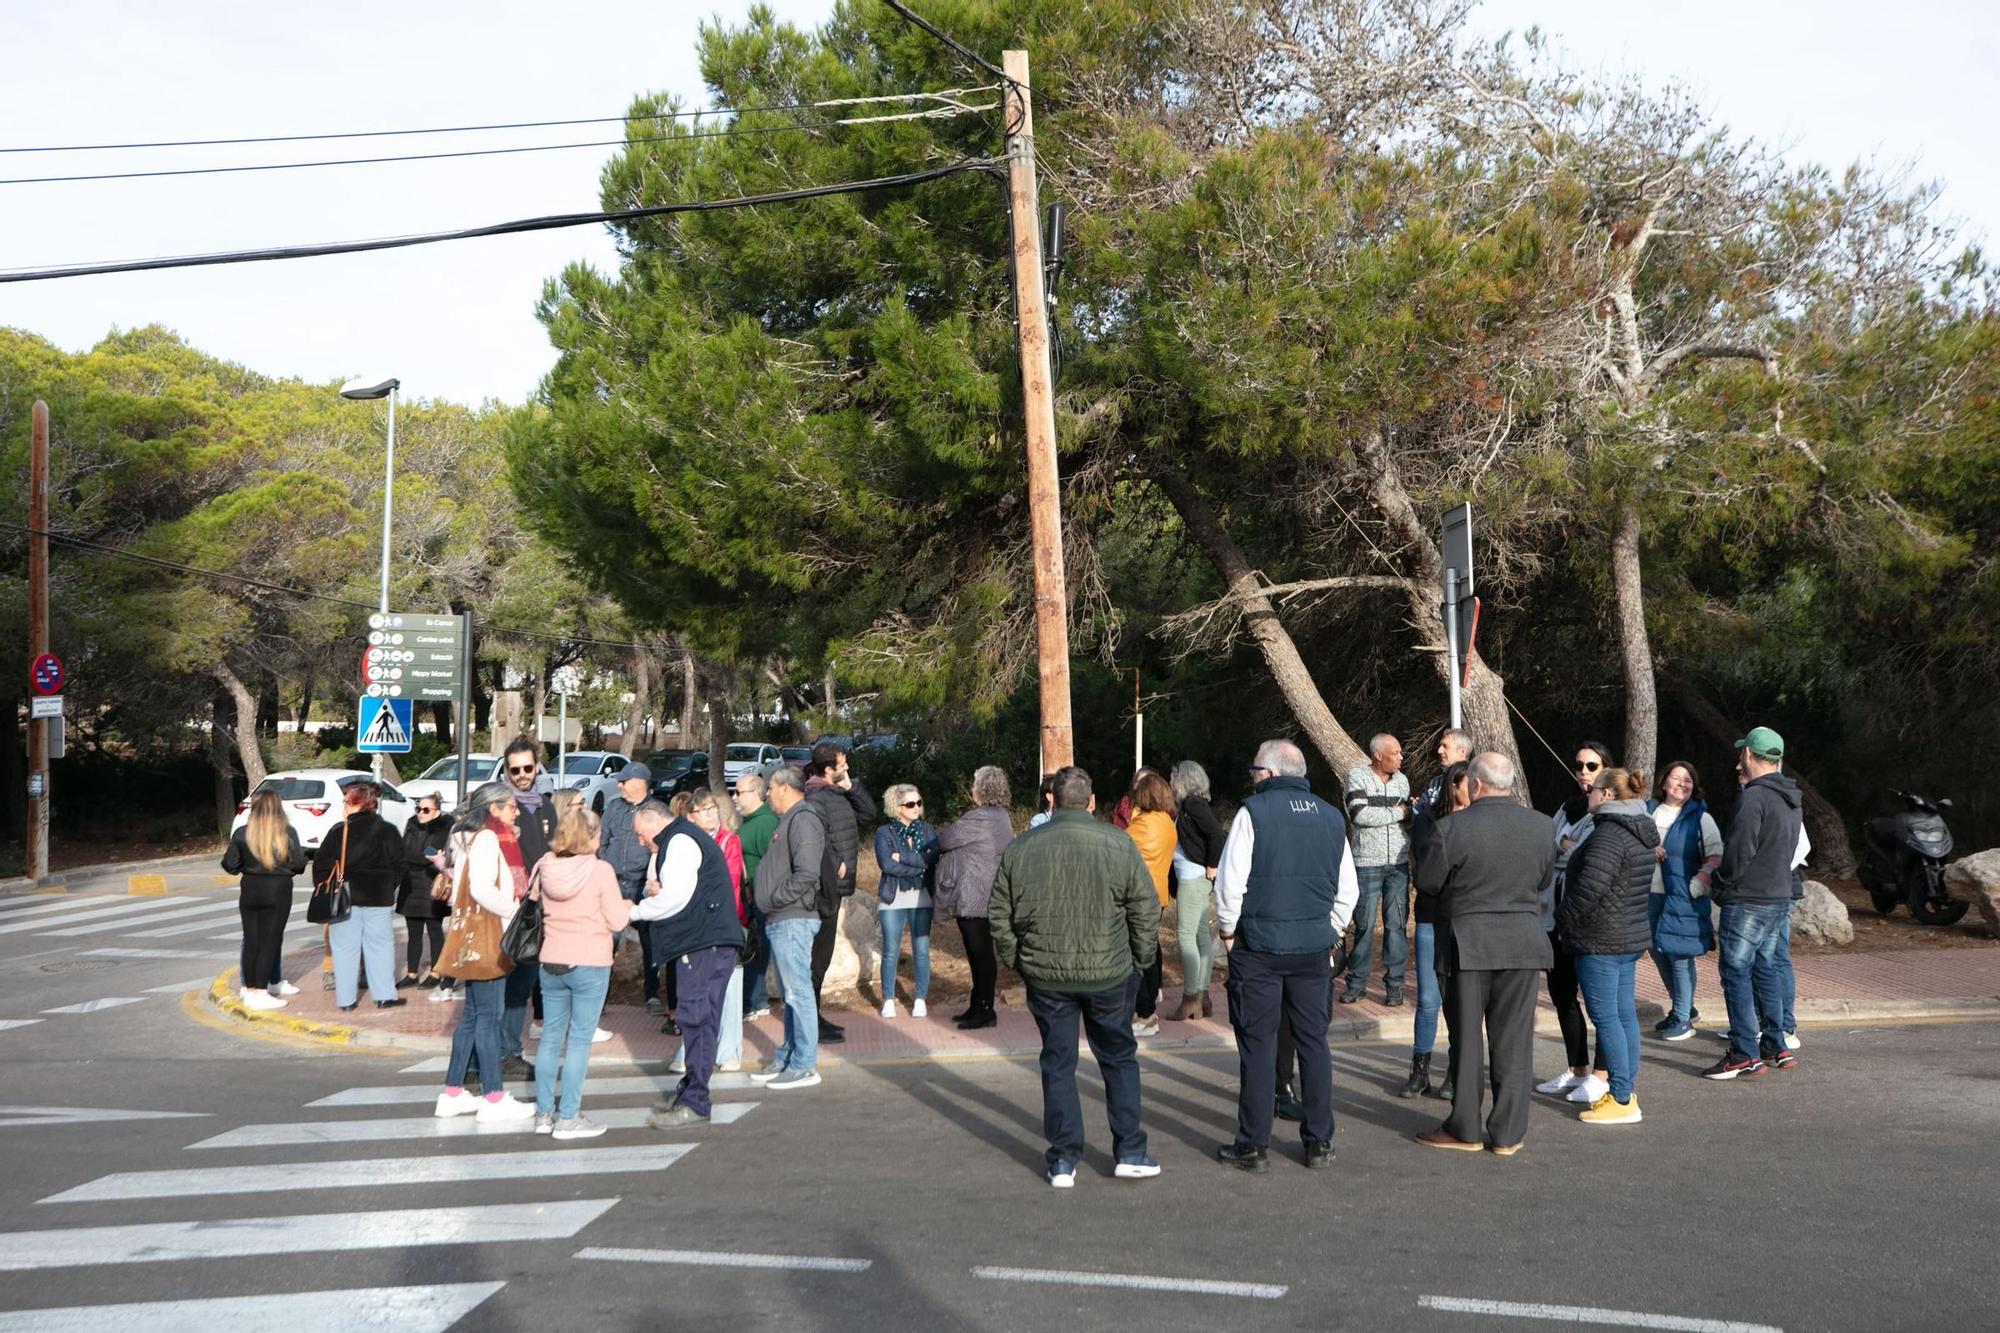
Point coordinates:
pixel 464 701
pixel 562 734
pixel 1038 400
pixel 1138 727
pixel 388 509
pixel 37 837
pixel 1451 639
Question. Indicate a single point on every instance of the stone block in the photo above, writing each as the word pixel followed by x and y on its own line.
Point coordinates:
pixel 1976 879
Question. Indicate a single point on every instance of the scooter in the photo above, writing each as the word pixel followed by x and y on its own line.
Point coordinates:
pixel 1903 861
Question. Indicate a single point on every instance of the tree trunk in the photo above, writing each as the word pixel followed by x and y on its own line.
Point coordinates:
pixel 1483 702
pixel 306 687
pixel 718 725
pixel 1260 617
pixel 1642 704
pixel 1831 850
pixel 538 700
pixel 692 733
pixel 642 700
pixel 441 719
pixel 482 700
pixel 832 701
pixel 220 765
pixel 268 706
pixel 248 753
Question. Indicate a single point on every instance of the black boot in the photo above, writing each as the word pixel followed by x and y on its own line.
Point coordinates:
pixel 1420 1077
pixel 1290 1106
pixel 1443 1090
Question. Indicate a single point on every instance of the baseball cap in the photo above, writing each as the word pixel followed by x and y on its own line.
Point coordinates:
pixel 635 773
pixel 1764 743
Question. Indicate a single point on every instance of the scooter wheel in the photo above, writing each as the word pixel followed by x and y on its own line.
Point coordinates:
pixel 1885 903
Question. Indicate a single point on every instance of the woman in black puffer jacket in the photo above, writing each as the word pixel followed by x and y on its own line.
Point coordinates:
pixel 1603 922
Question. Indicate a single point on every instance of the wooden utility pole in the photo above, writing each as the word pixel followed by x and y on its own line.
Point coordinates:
pixel 1038 400
pixel 37 837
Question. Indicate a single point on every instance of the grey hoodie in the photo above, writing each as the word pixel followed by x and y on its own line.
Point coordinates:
pixel 1758 849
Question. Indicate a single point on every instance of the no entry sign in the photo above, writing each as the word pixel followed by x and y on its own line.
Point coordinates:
pixel 47 674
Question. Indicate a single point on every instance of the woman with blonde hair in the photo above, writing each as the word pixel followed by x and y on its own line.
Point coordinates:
pixel 582 911
pixel 267 854
pixel 1197 858
pixel 969 851
pixel 1152 832
pixel 906 851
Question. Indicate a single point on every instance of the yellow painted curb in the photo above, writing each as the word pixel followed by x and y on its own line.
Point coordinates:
pixel 146 885
pixel 222 996
pixel 51 888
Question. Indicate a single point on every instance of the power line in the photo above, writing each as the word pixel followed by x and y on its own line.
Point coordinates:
pixel 157 562
pixel 926 25
pixel 946 95
pixel 547 223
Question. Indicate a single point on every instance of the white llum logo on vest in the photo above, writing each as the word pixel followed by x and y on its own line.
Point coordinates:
pixel 1304 806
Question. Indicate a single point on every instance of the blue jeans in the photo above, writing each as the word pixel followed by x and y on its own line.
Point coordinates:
pixel 478 1033
pixel 1676 974
pixel 1388 886
pixel 514 1016
pixel 1430 997
pixel 791 941
pixel 1786 979
pixel 367 938
pixel 1747 948
pixel 571 1004
pixel 918 920
pixel 1107 1025
pixel 1606 982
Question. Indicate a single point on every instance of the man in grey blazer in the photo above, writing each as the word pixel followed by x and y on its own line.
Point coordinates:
pixel 1487 866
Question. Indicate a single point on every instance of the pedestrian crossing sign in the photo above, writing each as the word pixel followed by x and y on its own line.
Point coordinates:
pixel 385 726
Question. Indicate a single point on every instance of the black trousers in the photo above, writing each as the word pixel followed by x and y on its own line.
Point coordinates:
pixel 421 928
pixel 977 932
pixel 263 909
pixel 1148 1002
pixel 1503 1003
pixel 1566 996
pixel 1261 987
pixel 829 929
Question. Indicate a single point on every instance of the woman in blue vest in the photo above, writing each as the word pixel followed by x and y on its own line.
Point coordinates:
pixel 1690 849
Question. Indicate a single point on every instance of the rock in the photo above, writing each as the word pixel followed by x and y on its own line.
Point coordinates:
pixel 1976 879
pixel 1821 917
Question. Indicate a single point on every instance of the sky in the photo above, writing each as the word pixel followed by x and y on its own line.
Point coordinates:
pixel 1828 80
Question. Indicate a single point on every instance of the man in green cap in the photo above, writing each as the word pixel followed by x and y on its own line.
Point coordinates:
pixel 1753 886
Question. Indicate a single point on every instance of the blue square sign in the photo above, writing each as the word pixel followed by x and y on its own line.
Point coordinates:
pixel 385 726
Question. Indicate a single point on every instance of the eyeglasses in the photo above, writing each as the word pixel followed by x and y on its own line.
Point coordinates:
pixel 1255 769
pixel 1588 766
pixel 913 805
pixel 520 768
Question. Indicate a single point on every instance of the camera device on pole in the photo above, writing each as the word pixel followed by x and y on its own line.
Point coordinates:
pixel 1461 608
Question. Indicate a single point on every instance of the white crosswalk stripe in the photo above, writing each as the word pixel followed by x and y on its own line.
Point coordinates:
pixel 154 953
pixel 430 1127
pixel 93 912
pixel 390 1229
pixel 403 1094
pixel 6 1023
pixel 13 909
pixel 190 928
pixel 92 1006
pixel 406 1309
pixel 180 910
pixel 203 980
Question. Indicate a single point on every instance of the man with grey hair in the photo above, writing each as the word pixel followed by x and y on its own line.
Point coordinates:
pixel 1283 894
pixel 1378 809
pixel 1487 865
pixel 787 893
pixel 1454 747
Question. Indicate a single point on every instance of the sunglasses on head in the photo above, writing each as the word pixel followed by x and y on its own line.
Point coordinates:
pixel 1588 766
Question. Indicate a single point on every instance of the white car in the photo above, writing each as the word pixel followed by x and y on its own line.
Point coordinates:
pixel 746 757
pixel 314 802
pixel 594 773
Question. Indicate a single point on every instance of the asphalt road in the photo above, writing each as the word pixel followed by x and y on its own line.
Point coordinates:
pixel 1856 1192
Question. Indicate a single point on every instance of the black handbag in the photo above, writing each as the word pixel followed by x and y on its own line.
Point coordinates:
pixel 522 940
pixel 334 900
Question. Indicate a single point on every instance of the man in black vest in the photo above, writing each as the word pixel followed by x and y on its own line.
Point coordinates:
pixel 1283 894
pixel 1487 865
pixel 691 909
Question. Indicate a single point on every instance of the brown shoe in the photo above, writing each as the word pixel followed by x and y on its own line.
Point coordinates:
pixel 1207 1006
pixel 1444 1138
pixel 1506 1150
pixel 1190 1007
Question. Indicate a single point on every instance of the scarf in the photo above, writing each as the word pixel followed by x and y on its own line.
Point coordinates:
pixel 510 851
pixel 912 835
pixel 529 801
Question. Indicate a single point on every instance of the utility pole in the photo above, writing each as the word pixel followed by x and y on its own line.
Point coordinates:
pixel 1058 745
pixel 37 837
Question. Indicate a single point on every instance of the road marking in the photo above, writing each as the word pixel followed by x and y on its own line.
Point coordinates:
pixel 92 1006
pixel 430 1127
pixel 724 1259
pixel 20 907
pixel 15 925
pixel 1583 1314
pixel 232 1237
pixel 205 979
pixel 437 1064
pixel 366 1172
pixel 407 1309
pixel 146 885
pixel 1134 1282
pixel 162 914
pixel 409 1094
pixel 13 1117
pixel 153 953
pixel 6 1023
pixel 189 928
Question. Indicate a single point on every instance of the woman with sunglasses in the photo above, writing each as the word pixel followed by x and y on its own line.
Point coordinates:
pixel 1572 824
pixel 906 850
pixel 424 839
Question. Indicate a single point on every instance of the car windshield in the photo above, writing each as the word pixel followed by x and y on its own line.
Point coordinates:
pixel 294 789
pixel 446 769
pixel 748 753
pixel 675 763
pixel 797 754
pixel 583 763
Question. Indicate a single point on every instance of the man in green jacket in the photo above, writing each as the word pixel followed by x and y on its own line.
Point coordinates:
pixel 759 822
pixel 1074 912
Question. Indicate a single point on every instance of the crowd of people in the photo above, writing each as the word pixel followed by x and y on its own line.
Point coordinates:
pixel 726 889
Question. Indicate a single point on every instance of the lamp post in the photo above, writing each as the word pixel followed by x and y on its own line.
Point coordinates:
pixel 364 389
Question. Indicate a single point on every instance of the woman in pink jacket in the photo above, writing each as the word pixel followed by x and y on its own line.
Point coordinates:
pixel 582 912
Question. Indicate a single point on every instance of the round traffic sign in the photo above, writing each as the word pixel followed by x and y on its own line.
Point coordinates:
pixel 47 674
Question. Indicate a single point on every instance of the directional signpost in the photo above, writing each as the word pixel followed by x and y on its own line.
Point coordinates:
pixel 414 657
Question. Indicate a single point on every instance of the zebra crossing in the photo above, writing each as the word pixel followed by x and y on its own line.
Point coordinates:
pixel 411 1154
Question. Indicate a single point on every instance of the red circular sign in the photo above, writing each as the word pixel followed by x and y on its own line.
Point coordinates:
pixel 46 675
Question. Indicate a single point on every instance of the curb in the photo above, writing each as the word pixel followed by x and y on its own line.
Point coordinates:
pixel 222 995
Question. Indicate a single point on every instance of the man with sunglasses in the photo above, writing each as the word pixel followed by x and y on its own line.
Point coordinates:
pixel 521 765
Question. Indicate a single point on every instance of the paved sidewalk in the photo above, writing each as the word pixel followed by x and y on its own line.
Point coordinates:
pixel 1831 988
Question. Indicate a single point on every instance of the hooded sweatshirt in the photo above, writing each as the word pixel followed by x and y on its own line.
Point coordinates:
pixel 1763 837
pixel 581 910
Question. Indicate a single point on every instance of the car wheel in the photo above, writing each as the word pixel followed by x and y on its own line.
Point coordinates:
pixel 597 804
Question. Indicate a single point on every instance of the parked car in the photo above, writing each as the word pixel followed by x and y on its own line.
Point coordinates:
pixel 792 756
pixel 314 801
pixel 676 771
pixel 594 773
pixel 746 757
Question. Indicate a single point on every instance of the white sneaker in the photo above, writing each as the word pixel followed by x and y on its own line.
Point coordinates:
pixel 284 988
pixel 449 1105
pixel 535 1028
pixel 600 1035
pixel 767 1073
pixel 679 1066
pixel 1590 1090
pixel 545 1123
pixel 918 1009
pixel 508 1107
pixel 442 995
pixel 1146 1027
pixel 1791 1041
pixel 888 1008
pixel 730 1066
pixel 261 1000
pixel 1558 1085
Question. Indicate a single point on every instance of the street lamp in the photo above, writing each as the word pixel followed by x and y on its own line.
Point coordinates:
pixel 364 389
